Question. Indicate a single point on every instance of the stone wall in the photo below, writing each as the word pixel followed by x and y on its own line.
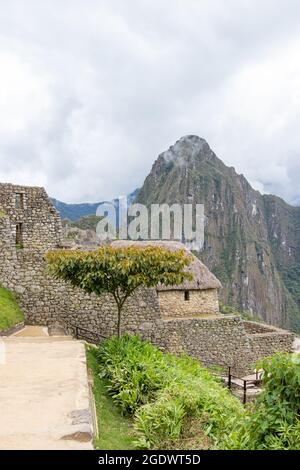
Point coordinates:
pixel 252 327
pixel 214 341
pixel 46 300
pixel 217 340
pixel 31 207
pixel 173 304
pixel 266 340
pixel 8 254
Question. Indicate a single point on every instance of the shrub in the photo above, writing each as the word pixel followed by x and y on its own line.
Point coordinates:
pixel 162 390
pixel 274 420
pixel 135 371
pixel 161 421
pixel 277 411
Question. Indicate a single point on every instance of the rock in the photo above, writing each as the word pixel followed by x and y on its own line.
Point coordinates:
pixel 56 329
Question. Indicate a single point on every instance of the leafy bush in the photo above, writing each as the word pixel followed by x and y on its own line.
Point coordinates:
pixel 162 391
pixel 277 412
pixel 274 420
pixel 161 421
pixel 135 371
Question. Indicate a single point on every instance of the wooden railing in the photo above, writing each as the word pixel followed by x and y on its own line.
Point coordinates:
pixel 87 335
pixel 244 382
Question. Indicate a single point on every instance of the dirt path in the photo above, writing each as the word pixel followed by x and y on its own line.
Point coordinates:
pixel 44 394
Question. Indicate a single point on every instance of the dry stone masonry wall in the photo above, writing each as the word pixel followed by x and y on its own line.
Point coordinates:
pixel 180 303
pixel 31 212
pixel 266 340
pixel 219 341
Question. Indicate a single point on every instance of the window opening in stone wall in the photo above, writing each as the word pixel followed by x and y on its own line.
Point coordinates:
pixel 19 201
pixel 186 295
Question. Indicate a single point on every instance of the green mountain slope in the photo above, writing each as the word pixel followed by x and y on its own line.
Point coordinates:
pixel 251 240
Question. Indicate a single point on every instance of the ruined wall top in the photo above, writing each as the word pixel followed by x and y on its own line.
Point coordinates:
pixel 34 222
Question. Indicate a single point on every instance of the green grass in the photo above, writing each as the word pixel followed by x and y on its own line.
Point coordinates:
pixel 115 430
pixel 10 312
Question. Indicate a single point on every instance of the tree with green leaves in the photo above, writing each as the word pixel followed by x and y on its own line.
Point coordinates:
pixel 119 271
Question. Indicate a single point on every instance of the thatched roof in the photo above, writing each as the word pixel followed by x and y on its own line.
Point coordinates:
pixel 202 277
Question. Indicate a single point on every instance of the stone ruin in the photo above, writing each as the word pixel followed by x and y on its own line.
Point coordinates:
pixel 181 319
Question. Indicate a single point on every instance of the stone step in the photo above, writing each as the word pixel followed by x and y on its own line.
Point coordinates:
pixel 32 331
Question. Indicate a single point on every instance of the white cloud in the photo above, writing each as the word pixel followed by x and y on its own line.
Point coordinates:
pixel 92 91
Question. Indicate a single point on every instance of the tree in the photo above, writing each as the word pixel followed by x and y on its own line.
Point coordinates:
pixel 119 271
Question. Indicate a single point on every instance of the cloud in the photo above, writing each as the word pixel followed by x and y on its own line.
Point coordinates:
pixel 91 92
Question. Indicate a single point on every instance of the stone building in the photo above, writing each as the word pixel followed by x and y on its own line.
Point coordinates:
pixel 34 222
pixel 195 297
pixel 184 318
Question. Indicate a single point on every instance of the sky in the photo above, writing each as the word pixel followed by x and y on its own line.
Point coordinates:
pixel 92 91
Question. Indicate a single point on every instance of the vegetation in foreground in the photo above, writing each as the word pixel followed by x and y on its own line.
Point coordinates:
pixel 273 422
pixel 115 431
pixel 10 312
pixel 177 404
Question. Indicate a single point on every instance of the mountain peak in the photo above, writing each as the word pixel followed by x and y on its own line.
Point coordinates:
pixel 251 241
pixel 188 149
pixel 194 139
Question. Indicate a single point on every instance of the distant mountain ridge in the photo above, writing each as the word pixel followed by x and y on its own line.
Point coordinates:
pixel 74 212
pixel 252 241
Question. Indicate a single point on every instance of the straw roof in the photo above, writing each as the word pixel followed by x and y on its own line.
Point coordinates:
pixel 202 277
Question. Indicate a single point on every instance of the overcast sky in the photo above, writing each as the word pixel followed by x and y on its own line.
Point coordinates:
pixel 91 91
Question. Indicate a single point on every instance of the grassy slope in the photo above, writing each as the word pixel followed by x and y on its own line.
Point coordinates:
pixel 10 312
pixel 175 403
pixel 115 431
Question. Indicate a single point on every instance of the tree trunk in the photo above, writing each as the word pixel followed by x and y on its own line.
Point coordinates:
pixel 119 320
